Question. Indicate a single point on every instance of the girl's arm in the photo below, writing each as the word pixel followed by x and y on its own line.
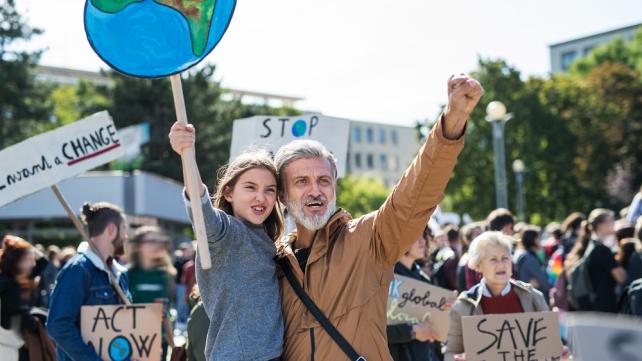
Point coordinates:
pixel 181 138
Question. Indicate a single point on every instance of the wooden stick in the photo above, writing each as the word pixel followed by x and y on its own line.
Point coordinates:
pixel 85 237
pixel 189 164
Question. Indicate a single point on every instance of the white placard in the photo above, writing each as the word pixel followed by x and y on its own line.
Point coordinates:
pixel 46 159
pixel 600 337
pixel 271 132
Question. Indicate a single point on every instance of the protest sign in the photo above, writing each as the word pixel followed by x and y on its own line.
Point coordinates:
pixel 48 158
pixel 599 337
pixel 123 332
pixel 532 336
pixel 271 132
pixel 412 301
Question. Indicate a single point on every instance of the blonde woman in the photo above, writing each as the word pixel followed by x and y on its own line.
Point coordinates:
pixel 496 293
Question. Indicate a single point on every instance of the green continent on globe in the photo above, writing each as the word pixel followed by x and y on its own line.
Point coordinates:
pixel 199 15
pixel 112 6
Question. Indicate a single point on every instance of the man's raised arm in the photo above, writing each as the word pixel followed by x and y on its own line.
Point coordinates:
pixel 403 216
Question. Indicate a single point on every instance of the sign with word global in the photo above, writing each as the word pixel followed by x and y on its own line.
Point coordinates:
pixel 123 332
pixel 48 158
pixel 512 337
pixel 412 301
pixel 271 132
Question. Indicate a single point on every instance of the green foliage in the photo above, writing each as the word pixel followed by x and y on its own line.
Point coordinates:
pixel 24 108
pixel 578 134
pixel 360 196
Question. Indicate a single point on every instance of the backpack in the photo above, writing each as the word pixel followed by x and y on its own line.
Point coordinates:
pixel 631 301
pixel 579 287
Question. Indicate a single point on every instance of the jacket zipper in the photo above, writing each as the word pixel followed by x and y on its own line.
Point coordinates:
pixel 312 346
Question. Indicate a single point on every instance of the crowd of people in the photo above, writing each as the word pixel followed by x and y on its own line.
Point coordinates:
pixel 318 291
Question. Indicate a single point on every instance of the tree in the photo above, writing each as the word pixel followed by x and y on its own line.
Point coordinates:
pixel 24 108
pixel 360 196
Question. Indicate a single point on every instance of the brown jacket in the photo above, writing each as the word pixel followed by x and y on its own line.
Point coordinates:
pixel 469 304
pixel 351 262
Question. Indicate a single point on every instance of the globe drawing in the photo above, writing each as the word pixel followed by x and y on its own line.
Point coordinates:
pixel 120 349
pixel 155 38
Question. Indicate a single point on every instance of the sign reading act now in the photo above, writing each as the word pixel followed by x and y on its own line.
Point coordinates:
pixel 123 333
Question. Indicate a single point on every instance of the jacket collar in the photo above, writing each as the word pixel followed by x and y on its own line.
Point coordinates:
pixel 116 268
pixel 474 295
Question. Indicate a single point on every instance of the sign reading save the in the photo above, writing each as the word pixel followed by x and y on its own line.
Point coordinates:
pixel 531 336
pixel 123 332
pixel 411 301
pixel 48 158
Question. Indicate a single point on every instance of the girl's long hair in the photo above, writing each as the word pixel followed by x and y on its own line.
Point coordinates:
pixel 229 176
pixel 596 217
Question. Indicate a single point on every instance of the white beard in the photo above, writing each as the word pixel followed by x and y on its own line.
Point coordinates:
pixel 314 222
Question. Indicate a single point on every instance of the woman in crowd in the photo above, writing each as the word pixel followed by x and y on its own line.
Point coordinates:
pixel 496 293
pixel 151 274
pixel 409 342
pixel 603 270
pixel 529 267
pixel 466 277
pixel 17 261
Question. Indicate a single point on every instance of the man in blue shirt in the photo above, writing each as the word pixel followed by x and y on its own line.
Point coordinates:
pixel 92 277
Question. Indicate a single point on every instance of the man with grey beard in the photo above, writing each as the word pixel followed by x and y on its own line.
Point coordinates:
pixel 345 265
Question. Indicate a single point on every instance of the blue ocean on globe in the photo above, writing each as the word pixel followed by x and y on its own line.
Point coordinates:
pixel 148 39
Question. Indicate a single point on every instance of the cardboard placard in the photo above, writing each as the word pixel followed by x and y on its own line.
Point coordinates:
pixel 46 159
pixel 530 336
pixel 412 301
pixel 598 337
pixel 123 332
pixel 271 132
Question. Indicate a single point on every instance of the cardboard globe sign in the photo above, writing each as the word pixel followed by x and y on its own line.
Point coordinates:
pixel 157 38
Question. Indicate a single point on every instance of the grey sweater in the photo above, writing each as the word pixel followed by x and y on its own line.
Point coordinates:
pixel 240 292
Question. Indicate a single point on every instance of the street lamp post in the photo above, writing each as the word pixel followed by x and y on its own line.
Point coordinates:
pixel 519 169
pixel 497 116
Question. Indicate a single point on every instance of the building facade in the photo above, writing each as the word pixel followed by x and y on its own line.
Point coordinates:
pixel 564 53
pixel 380 150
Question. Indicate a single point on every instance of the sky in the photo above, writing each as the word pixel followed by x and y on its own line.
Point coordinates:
pixel 383 61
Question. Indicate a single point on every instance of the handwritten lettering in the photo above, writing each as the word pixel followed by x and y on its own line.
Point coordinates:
pixel 424 300
pixel 523 338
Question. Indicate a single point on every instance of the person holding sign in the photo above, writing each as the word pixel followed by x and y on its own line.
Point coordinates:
pixel 240 292
pixel 497 293
pixel 92 277
pixel 408 342
pixel 342 267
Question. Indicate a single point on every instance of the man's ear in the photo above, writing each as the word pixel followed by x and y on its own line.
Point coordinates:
pixel 112 230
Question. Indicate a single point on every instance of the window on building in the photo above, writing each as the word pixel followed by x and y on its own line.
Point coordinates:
pixel 369 136
pixel 348 162
pixel 356 134
pixel 382 136
pixel 393 137
pixel 357 160
pixel 383 161
pixel 370 161
pixel 567 58
pixel 587 50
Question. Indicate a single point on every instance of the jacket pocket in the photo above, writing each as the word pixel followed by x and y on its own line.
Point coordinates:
pixel 103 295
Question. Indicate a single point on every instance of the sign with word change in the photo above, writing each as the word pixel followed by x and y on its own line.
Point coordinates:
pixel 46 159
pixel 271 132
pixel 412 301
pixel 123 332
pixel 531 336
pixel 597 337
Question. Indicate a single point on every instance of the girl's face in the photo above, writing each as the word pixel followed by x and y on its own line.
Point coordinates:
pixel 496 266
pixel 253 195
pixel 27 263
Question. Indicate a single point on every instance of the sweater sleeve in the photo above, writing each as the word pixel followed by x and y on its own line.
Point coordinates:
pixel 217 222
